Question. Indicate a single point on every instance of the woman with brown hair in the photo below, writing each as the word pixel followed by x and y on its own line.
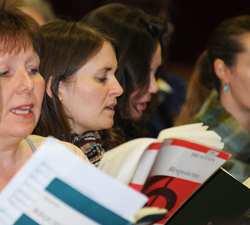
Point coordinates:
pixel 22 88
pixel 142 40
pixel 78 66
pixel 218 95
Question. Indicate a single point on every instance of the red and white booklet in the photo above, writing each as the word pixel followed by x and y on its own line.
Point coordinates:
pixel 168 170
pixel 178 169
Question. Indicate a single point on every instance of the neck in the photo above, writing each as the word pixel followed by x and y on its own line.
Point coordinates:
pixel 239 112
pixel 9 145
pixel 12 157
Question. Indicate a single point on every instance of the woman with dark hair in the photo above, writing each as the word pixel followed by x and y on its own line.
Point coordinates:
pixel 78 66
pixel 219 91
pixel 141 43
pixel 22 89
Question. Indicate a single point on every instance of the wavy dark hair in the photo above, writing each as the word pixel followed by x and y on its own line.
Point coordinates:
pixel 224 43
pixel 138 35
pixel 68 47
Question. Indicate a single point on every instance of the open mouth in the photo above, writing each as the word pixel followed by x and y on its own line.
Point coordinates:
pixel 22 110
pixel 110 107
pixel 142 106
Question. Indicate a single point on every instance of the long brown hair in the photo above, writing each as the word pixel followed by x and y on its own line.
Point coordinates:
pixel 199 88
pixel 68 46
pixel 137 34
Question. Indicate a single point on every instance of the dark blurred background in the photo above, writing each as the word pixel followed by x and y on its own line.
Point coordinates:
pixel 193 22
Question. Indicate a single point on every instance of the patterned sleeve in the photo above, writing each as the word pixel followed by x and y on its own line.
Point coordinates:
pixel 90 144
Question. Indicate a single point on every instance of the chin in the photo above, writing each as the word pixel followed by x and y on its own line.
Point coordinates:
pixel 107 125
pixel 24 132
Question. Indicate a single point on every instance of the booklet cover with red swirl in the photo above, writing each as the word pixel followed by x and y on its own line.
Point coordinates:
pixel 169 172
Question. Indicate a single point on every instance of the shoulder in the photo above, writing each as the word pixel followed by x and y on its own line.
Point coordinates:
pixel 38 140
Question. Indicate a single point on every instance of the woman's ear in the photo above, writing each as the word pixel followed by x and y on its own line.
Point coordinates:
pixel 221 71
pixel 48 87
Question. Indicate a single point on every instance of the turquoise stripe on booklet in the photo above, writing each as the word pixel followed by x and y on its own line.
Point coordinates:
pixel 25 220
pixel 79 202
pixel 85 205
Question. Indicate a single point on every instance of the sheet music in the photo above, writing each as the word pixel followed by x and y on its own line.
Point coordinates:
pixel 12 205
pixel 54 160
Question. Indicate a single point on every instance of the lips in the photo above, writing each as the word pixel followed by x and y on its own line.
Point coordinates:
pixel 142 106
pixel 111 106
pixel 24 110
pixel 143 103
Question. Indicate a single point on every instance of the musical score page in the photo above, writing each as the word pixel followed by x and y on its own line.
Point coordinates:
pixel 53 160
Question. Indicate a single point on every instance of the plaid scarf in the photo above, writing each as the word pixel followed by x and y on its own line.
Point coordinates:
pixel 235 137
pixel 90 144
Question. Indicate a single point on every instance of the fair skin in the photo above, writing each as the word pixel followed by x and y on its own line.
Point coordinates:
pixel 22 95
pixel 90 98
pixel 141 104
pixel 237 78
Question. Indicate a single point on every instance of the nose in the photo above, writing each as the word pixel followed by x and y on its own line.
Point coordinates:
pixel 24 82
pixel 117 90
pixel 153 87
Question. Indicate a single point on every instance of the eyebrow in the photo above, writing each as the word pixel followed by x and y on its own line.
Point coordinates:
pixel 106 69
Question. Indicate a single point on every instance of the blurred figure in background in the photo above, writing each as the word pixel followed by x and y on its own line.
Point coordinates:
pixel 219 91
pixel 172 86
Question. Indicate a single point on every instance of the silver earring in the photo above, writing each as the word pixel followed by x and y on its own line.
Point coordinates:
pixel 60 99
